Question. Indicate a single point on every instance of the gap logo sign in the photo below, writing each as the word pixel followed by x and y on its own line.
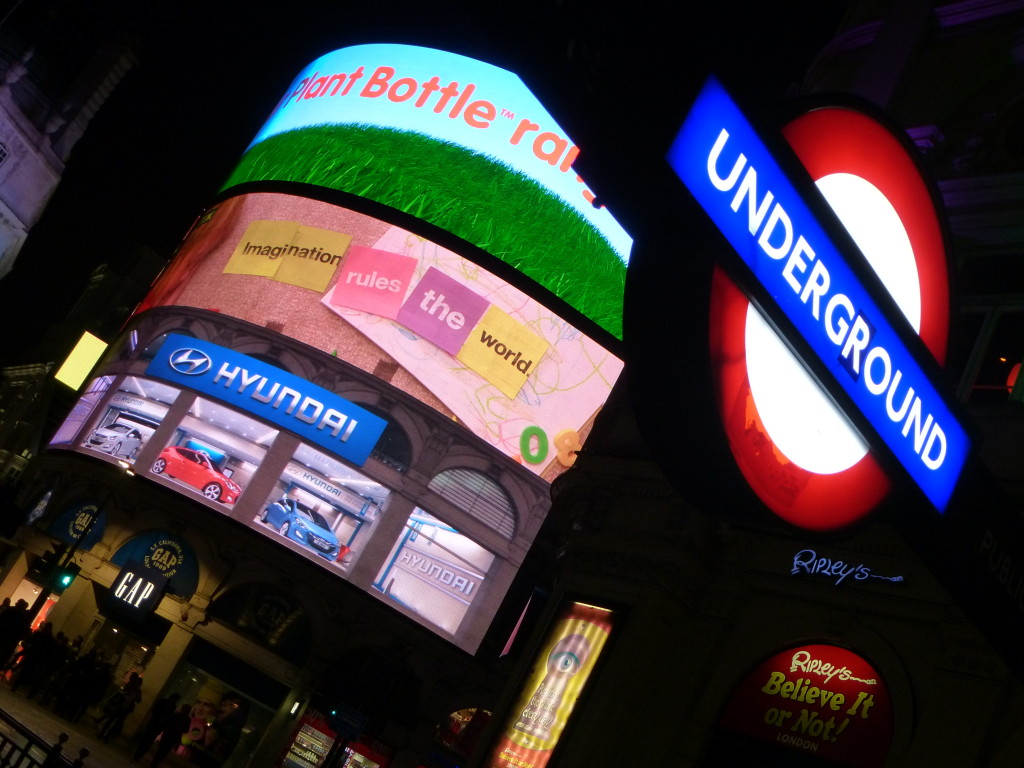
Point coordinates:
pixel 269 393
pixel 812 282
pixel 137 589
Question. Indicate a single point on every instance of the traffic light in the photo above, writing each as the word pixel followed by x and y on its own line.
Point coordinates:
pixel 43 567
pixel 63 576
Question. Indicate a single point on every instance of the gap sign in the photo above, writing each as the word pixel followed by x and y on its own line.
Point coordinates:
pixel 138 588
pixel 744 190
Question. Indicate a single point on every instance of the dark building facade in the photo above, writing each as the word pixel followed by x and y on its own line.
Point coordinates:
pixel 733 603
pixel 737 639
pixel 59 68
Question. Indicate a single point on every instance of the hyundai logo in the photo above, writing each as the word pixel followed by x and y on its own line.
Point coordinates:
pixel 189 362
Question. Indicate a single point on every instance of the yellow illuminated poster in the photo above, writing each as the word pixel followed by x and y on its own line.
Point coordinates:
pixel 547 700
pixel 80 362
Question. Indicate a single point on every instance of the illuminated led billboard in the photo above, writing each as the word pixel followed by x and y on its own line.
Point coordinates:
pixel 458 143
pixel 411 219
pixel 431 322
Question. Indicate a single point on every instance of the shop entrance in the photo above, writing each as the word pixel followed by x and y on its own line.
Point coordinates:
pixel 210 674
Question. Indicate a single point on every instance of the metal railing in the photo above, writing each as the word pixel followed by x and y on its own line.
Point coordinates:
pixel 20 748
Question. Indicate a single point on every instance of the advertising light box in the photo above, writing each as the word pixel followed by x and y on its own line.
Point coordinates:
pixel 80 362
pixel 813 281
pixel 559 675
pixel 446 331
pixel 456 142
pixel 819 700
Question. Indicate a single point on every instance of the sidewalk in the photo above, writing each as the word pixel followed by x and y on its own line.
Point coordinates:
pixel 49 726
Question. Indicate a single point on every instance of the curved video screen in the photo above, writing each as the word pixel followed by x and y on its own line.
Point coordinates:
pixel 414 214
pixel 413 313
pixel 320 505
pixel 456 142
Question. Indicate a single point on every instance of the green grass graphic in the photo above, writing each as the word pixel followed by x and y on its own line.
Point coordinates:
pixel 472 196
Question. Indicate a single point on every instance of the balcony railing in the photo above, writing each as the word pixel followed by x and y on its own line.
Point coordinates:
pixel 20 748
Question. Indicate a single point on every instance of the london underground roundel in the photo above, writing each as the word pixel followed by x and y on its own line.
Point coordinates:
pixel 797 451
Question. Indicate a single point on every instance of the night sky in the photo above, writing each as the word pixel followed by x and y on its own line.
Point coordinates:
pixel 209 74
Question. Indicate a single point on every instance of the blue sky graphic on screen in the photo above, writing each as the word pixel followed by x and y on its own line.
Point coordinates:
pixel 420 89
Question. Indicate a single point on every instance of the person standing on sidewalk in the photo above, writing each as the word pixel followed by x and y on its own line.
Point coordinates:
pixel 160 716
pixel 118 707
pixel 170 736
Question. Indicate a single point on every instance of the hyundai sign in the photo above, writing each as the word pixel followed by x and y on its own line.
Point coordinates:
pixel 269 393
pixel 744 190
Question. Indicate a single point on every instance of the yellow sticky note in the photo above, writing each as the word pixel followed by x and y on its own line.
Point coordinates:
pixel 289 253
pixel 503 351
pixel 254 254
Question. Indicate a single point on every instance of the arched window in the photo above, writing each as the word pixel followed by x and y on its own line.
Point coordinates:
pixel 270 616
pixel 478 495
pixel 151 349
pixel 393 448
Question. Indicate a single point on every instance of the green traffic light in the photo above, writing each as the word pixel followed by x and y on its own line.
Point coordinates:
pixel 63 577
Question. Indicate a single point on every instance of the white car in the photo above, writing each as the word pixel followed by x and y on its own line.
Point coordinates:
pixel 117 439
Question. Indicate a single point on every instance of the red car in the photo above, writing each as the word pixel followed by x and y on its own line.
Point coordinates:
pixel 196 469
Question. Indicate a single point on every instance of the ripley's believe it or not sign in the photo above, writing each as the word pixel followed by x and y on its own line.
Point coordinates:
pixel 817 699
pixel 797 450
pixel 466 147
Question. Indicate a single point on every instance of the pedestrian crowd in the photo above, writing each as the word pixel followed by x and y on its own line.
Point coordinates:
pixel 52 669
pixel 49 667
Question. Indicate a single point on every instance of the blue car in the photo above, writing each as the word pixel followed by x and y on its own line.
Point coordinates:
pixel 300 523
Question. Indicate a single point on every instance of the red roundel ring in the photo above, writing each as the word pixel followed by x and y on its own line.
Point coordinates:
pixel 834 140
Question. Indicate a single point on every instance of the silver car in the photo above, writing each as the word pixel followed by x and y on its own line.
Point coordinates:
pixel 117 439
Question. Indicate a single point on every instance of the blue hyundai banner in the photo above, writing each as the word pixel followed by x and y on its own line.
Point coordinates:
pixel 271 394
pixel 763 215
